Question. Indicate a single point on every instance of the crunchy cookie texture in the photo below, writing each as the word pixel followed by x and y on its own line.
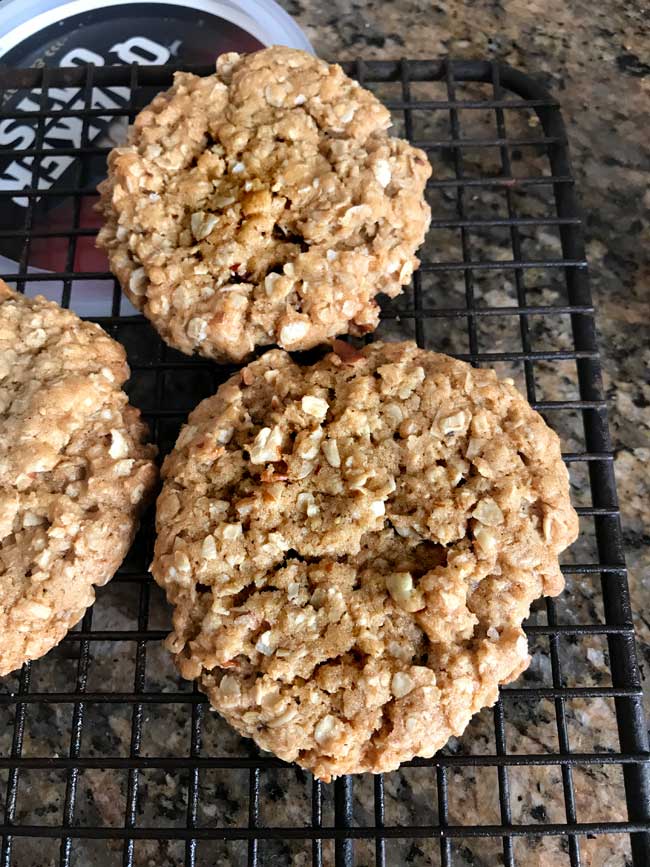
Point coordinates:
pixel 75 472
pixel 351 548
pixel 263 204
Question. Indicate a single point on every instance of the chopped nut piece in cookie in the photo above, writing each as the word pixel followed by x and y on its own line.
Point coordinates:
pixel 315 406
pixel 292 335
pixel 267 446
pixel 369 598
pixel 401 684
pixel 488 512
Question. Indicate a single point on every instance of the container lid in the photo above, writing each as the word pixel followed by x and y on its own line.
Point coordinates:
pixel 24 24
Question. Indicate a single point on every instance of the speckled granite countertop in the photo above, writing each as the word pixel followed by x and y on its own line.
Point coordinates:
pixel 594 56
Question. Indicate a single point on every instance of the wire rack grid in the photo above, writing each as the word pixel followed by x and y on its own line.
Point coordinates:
pixel 108 758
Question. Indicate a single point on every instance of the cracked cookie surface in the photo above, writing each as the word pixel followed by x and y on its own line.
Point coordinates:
pixel 351 547
pixel 265 204
pixel 75 472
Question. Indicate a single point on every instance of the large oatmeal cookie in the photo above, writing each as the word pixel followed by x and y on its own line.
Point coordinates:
pixel 74 471
pixel 263 204
pixel 351 547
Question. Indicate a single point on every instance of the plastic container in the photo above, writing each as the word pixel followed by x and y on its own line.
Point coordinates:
pixel 104 32
pixel 23 21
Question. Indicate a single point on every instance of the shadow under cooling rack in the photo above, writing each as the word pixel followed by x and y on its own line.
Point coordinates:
pixel 108 758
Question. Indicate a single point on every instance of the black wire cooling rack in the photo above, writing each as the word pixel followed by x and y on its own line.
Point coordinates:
pixel 108 758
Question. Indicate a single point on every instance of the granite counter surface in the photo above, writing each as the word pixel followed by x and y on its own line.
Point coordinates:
pixel 594 56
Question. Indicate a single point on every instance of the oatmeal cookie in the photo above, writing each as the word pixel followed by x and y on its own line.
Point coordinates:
pixel 75 473
pixel 350 549
pixel 263 204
